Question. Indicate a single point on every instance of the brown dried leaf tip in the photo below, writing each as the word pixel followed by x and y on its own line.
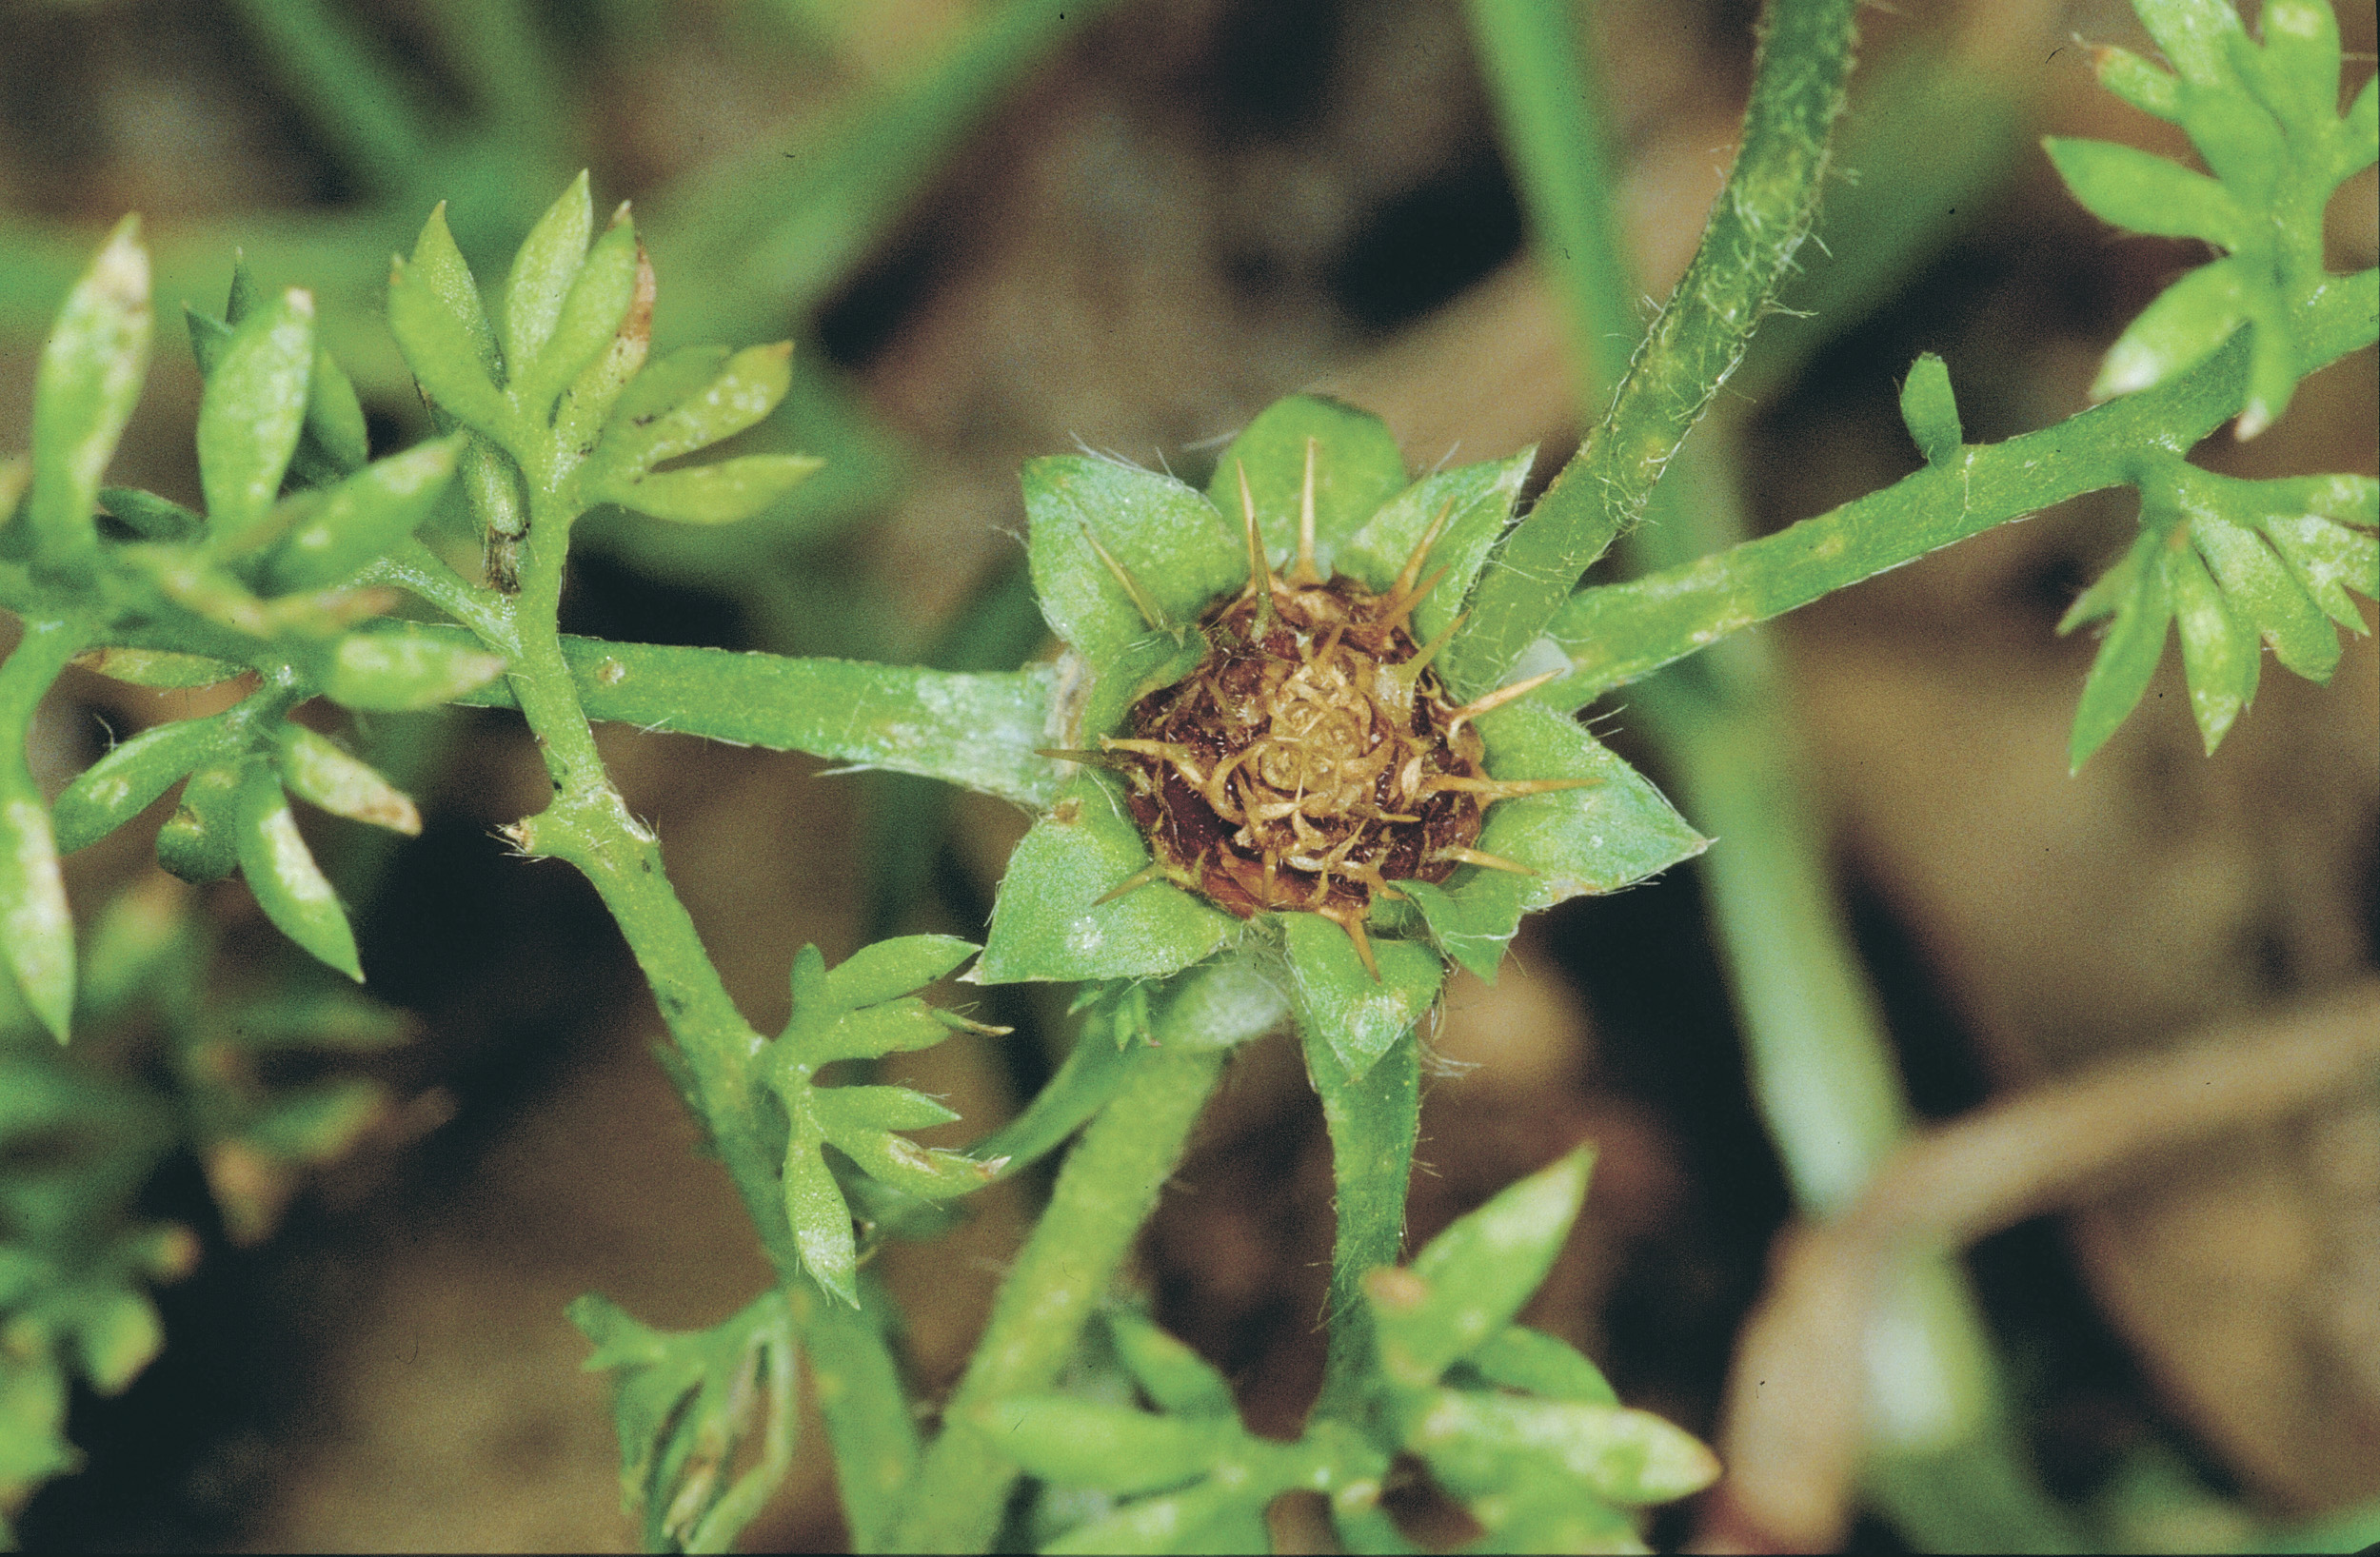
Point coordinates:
pixel 1314 758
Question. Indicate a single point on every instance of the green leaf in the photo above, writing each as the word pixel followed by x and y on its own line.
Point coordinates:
pixel 1173 1376
pixel 395 669
pixel 1215 1516
pixel 1468 1283
pixel 2220 653
pixel 684 1404
pixel 149 516
pixel 2188 323
pixel 445 279
pixel 1929 409
pixel 440 349
pixel 280 871
pixel 2256 582
pixel 586 322
pixel 845 1115
pixel 1472 929
pixel 1049 923
pixel 320 1123
pixel 542 269
pixel 251 416
pixel 1112 1448
pixel 819 1215
pixel 37 929
pixel 689 400
pixel 579 420
pixel 1093 1071
pixel 1166 540
pixel 1611 834
pixel 334 417
pixel 318 772
pixel 1339 1000
pixel 123 783
pixel 712 494
pixel 361 518
pixel 2137 82
pixel 90 374
pixel 116 1335
pixel 1477 502
pixel 1478 1442
pixel 1357 468
pixel 199 841
pixel 2135 590
pixel 2142 192
pixel 161 669
pixel 889 969
pixel 2329 559
pixel 853 1109
pixel 1521 1359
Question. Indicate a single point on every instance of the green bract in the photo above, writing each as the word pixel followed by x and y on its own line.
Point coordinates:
pixel 1126 563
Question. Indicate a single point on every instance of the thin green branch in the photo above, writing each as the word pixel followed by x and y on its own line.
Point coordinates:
pixel 1374 1124
pixel 1761 218
pixel 349 93
pixel 1620 633
pixel 1105 1193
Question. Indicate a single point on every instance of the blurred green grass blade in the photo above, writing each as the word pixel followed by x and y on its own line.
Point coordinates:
pixel 348 91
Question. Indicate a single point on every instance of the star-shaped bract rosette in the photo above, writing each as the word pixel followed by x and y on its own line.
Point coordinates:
pixel 1130 566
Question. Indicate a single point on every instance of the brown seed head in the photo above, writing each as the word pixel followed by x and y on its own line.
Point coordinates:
pixel 1312 761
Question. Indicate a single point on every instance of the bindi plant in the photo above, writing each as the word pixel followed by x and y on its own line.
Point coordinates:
pixel 1308 743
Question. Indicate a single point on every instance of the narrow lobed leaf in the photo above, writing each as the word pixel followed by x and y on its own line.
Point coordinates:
pixel 91 368
pixel 2220 653
pixel 440 353
pixel 889 969
pixel 1112 1448
pixel 2259 586
pixel 252 414
pixel 319 773
pixel 690 400
pixel 819 1217
pixel 2189 322
pixel 37 926
pixel 713 494
pixel 1521 1359
pixel 2142 192
pixel 282 875
pixel 396 670
pixel 198 842
pixel 123 783
pixel 2136 591
pixel 588 323
pixel 542 269
pixel 361 518
pixel 1174 1377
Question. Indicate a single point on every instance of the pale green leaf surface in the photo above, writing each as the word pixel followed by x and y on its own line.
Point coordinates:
pixel 363 516
pixel 850 1110
pixel 712 494
pixel 1472 929
pixel 690 400
pixel 1471 1280
pixel 1336 998
pixel 2257 583
pixel 1357 468
pixel 446 277
pixel 123 783
pixel 1169 540
pixel 1048 922
pixel 591 310
pixel 2188 323
pixel 252 414
pixel 149 516
pixel 37 929
pixel 199 843
pixel 1521 1359
pixel 2143 604
pixel 1113 1449
pixel 282 875
pixel 979 730
pixel 1477 1441
pixel 160 669
pixel 888 969
pixel 398 667
pixel 2142 192
pixel 2220 653
pixel 819 1217
pixel 440 350
pixel 543 269
pixel 1174 1377
pixel 334 417
pixel 1929 409
pixel 318 772
pixel 90 374
pixel 2329 559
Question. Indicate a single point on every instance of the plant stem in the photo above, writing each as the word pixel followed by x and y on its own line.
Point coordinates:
pixel 1374 1124
pixel 1761 217
pixel 1620 633
pixel 1105 1193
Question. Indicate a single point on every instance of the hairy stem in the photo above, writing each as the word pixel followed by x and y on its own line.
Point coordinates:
pixel 1761 217
pixel 1374 1125
pixel 1105 1193
pixel 1619 633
